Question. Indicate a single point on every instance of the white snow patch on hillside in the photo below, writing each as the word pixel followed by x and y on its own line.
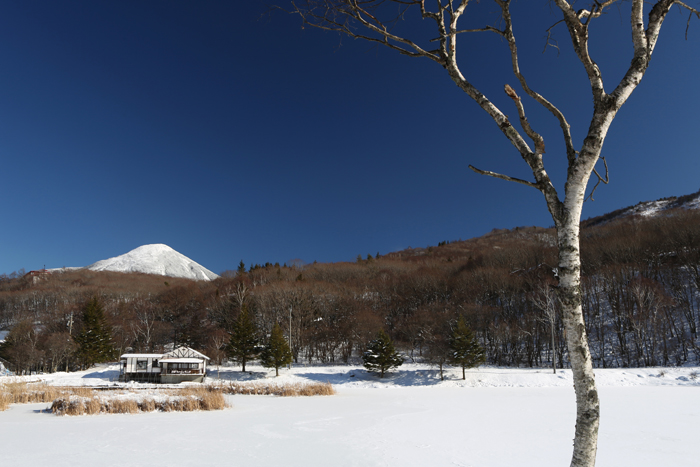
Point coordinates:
pixel 155 259
pixel 654 208
pixel 651 208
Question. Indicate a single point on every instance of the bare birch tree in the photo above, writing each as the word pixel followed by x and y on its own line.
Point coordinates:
pixel 545 301
pixel 375 21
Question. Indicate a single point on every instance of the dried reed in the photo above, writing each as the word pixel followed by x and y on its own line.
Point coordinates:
pixel 21 392
pixel 284 390
pixel 4 401
pixel 86 401
pixel 173 400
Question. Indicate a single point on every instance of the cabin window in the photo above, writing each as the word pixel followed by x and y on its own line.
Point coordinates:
pixel 155 363
pixel 184 366
pixel 141 365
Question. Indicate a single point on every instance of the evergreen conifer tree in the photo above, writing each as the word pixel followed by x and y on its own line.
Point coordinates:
pixel 381 356
pixel 95 338
pixel 244 344
pixel 466 351
pixel 276 353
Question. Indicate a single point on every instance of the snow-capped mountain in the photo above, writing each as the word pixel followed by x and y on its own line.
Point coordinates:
pixel 643 209
pixel 155 259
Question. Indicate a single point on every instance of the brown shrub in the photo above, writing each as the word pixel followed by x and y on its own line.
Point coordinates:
pixel 120 405
pixel 67 406
pixel 92 406
pixel 148 405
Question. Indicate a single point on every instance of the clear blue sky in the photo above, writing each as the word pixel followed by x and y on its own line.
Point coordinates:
pixel 229 136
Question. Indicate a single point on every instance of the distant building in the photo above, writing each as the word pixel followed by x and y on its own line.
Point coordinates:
pixel 176 366
pixel 36 276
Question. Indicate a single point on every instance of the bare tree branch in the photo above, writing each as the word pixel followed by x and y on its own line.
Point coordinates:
pixel 504 177
pixel 336 16
pixel 534 136
pixel 579 39
pixel 605 180
pixel 484 29
pixel 563 124
pixel 548 42
pixel 693 11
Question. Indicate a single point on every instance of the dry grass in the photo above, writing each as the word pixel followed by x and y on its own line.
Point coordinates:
pixel 284 390
pixel 22 392
pixel 4 401
pixel 117 402
pixel 87 401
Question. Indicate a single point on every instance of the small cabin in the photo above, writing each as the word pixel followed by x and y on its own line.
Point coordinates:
pixel 176 366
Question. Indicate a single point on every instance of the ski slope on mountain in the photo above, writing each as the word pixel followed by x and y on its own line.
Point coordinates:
pixel 155 259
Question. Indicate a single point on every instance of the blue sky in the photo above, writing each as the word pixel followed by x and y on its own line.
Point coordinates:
pixel 230 135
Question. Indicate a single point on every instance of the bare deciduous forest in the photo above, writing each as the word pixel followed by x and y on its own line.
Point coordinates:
pixel 641 291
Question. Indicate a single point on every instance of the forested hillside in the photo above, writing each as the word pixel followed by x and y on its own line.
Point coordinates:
pixel 641 301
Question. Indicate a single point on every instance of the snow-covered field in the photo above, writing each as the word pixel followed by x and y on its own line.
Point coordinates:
pixel 497 417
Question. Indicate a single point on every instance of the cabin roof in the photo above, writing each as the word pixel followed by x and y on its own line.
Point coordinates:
pixel 180 352
pixel 185 352
pixel 142 355
pixel 181 360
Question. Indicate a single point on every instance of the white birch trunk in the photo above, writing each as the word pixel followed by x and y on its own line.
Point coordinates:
pixel 587 403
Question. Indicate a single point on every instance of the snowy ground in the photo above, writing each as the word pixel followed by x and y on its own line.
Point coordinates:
pixel 497 417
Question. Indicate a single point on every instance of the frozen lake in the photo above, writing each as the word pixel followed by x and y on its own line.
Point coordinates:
pixel 654 422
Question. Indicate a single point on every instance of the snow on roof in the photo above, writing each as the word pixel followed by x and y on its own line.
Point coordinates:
pixel 181 360
pixel 185 352
pixel 142 355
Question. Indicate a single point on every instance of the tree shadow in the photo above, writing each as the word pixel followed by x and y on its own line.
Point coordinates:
pixel 404 378
pixel 103 374
pixel 236 375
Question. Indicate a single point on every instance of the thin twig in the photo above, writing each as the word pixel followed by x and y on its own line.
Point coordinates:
pixel 605 180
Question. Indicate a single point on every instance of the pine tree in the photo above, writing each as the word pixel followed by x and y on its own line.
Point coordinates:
pixel 244 344
pixel 466 351
pixel 276 353
pixel 380 355
pixel 95 338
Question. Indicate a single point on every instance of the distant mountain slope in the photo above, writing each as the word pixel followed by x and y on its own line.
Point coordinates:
pixel 648 209
pixel 155 259
pixel 510 239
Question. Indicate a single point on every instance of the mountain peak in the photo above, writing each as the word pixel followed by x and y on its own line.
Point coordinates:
pixel 155 259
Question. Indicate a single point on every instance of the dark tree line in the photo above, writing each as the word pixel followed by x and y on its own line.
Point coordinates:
pixel 641 301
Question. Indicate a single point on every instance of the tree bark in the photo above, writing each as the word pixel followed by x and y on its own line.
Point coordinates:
pixel 587 402
pixel 554 353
